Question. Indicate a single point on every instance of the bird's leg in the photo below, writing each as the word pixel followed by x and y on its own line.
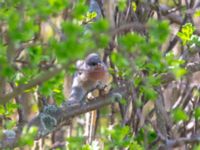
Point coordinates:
pixel 102 88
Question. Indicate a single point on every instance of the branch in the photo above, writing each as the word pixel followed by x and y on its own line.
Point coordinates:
pixel 56 70
pixel 36 81
pixel 193 67
pixel 135 26
pixel 53 117
pixel 166 78
pixel 173 17
pixel 181 141
pixel 68 110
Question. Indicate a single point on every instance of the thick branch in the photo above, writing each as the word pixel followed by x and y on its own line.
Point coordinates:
pixel 135 26
pixel 52 117
pixel 181 141
pixel 71 109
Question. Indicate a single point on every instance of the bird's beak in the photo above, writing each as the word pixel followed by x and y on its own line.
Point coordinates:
pixel 99 64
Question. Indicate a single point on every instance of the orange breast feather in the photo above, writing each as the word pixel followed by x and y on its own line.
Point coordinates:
pixel 98 73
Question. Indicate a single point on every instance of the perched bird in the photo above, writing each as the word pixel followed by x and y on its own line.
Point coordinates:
pixel 91 73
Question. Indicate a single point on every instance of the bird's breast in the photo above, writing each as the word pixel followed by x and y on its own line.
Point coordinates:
pixel 97 73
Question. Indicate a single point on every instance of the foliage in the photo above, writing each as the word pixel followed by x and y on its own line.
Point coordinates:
pixel 139 44
pixel 115 138
pixel 28 136
pixel 186 33
pixel 120 137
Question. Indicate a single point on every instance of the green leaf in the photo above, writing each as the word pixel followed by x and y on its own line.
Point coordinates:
pixel 121 62
pixel 35 54
pixel 2 110
pixel 179 72
pixel 179 115
pixel 158 31
pixel 118 134
pixel 80 9
pixel 134 6
pixel 122 5
pixel 186 32
pixel 10 124
pixel 197 113
pixel 11 108
pixel 86 147
pixel 197 147
pixel 194 41
pixel 48 87
pixel 75 142
pixel 72 30
pixel 103 40
pixel 135 146
pixel 152 80
pixel 100 26
pixel 137 80
pixel 28 136
pixel 58 96
pixel 149 92
pixel 131 41
pixel 89 17
pixel 123 101
pixel 197 13
pixel 175 65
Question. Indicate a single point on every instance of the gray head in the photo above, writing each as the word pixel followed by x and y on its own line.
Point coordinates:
pixel 93 59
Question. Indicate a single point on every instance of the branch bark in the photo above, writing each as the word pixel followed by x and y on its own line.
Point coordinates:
pixel 181 141
pixel 53 117
pixel 36 81
pixel 173 17
pixel 190 67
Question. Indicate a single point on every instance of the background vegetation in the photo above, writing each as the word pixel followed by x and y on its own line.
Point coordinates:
pixel 151 47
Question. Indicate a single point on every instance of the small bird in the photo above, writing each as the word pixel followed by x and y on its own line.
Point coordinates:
pixel 92 73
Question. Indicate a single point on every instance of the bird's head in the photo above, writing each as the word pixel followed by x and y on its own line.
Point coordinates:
pixel 93 60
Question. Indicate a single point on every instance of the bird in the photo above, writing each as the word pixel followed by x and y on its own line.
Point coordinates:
pixel 92 74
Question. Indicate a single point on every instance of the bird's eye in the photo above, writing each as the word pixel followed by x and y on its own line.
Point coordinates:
pixel 93 64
